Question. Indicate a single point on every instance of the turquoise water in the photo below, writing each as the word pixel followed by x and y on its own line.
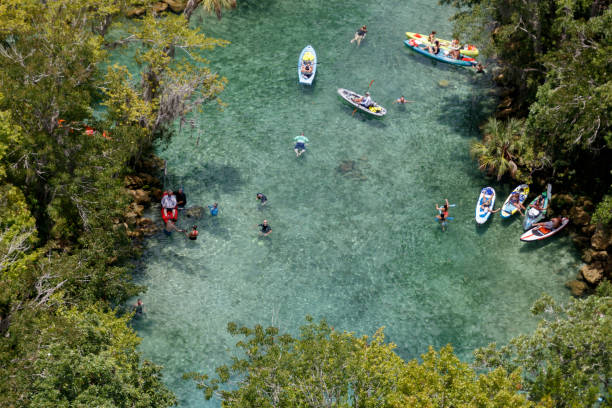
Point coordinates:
pixel 353 238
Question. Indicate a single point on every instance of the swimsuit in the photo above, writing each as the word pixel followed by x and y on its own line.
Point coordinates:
pixel 300 145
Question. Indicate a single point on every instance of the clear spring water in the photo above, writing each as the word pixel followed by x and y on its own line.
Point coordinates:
pixel 354 238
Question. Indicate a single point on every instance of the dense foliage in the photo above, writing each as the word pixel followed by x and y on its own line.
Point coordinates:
pixel 326 368
pixel 73 122
pixel 554 61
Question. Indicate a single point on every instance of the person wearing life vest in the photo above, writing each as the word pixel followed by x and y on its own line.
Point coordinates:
pixel 193 234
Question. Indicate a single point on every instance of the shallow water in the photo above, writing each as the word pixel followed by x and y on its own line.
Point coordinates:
pixel 354 238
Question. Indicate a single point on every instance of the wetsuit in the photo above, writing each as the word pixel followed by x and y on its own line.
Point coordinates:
pixel 262 198
pixel 265 228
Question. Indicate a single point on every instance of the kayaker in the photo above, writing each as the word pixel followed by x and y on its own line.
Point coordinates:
pixel 435 49
pixel 550 225
pixel 365 101
pixel 538 204
pixel 455 44
pixel 265 228
pixel 455 54
pixel 168 203
pixel 360 35
pixel 262 198
pixel 181 199
pixel 306 69
pixel 214 209
pixel 515 200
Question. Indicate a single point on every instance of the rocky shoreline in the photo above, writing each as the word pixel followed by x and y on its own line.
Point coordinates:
pixel 176 6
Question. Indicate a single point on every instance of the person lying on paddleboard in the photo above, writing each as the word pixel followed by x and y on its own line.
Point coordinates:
pixel 550 225
pixel 486 205
pixel 360 35
pixel 364 101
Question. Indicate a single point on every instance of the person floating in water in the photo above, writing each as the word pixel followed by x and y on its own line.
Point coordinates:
pixel 480 69
pixel 300 144
pixel 443 214
pixel 214 209
pixel 181 199
pixel 360 35
pixel 138 309
pixel 193 234
pixel 262 198
pixel 265 228
pixel 171 226
pixel 401 100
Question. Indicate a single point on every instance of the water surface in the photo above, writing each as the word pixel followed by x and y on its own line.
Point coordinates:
pixel 354 238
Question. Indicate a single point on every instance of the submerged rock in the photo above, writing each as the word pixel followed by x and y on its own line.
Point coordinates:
pixel 592 273
pixel 350 169
pixel 578 288
pixel 443 83
pixel 194 212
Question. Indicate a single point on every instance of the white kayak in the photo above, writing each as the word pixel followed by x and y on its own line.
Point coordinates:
pixel 484 212
pixel 541 232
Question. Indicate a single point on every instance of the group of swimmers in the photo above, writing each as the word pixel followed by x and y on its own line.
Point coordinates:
pixel 171 203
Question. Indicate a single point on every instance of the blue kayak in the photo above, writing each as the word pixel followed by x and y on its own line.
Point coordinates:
pixel 308 59
pixel 422 49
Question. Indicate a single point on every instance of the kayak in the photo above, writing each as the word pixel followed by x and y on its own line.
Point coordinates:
pixel 483 214
pixel 468 50
pixel 441 56
pixel 307 56
pixel 532 214
pixel 350 96
pixel 541 232
pixel 509 209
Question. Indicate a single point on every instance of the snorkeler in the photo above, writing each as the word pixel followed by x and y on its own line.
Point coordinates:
pixel 262 198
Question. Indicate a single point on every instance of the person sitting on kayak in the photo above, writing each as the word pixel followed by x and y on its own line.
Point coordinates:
pixel 455 54
pixel 181 199
pixel 435 49
pixel 432 37
pixel 538 204
pixel 551 225
pixel 306 69
pixel 168 203
pixel 515 200
pixel 360 35
pixel 364 101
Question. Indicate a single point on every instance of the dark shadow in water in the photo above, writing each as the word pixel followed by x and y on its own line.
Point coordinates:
pixel 428 62
pixel 214 176
pixel 214 226
pixel 482 229
pixel 455 114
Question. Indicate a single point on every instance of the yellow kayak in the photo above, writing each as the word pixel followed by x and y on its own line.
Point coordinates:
pixel 467 50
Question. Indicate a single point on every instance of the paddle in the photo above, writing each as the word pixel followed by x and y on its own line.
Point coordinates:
pixel 355 110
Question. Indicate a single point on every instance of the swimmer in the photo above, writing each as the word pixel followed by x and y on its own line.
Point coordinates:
pixel 170 226
pixel 193 234
pixel 138 309
pixel 402 100
pixel 443 214
pixel 480 69
pixel 360 35
pixel 265 228
pixel 262 198
pixel 300 144
pixel 214 209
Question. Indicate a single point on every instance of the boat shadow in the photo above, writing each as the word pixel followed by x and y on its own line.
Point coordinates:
pixel 536 245
pixel 455 114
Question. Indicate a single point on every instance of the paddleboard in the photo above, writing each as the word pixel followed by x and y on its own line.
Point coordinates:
pixel 483 214
pixel 540 232
pixel 532 214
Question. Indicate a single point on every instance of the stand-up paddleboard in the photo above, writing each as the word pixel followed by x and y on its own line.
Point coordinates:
pixel 541 232
pixel 508 208
pixel 532 214
pixel 483 214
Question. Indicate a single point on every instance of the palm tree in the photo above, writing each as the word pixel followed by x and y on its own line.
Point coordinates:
pixel 501 147
pixel 210 6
